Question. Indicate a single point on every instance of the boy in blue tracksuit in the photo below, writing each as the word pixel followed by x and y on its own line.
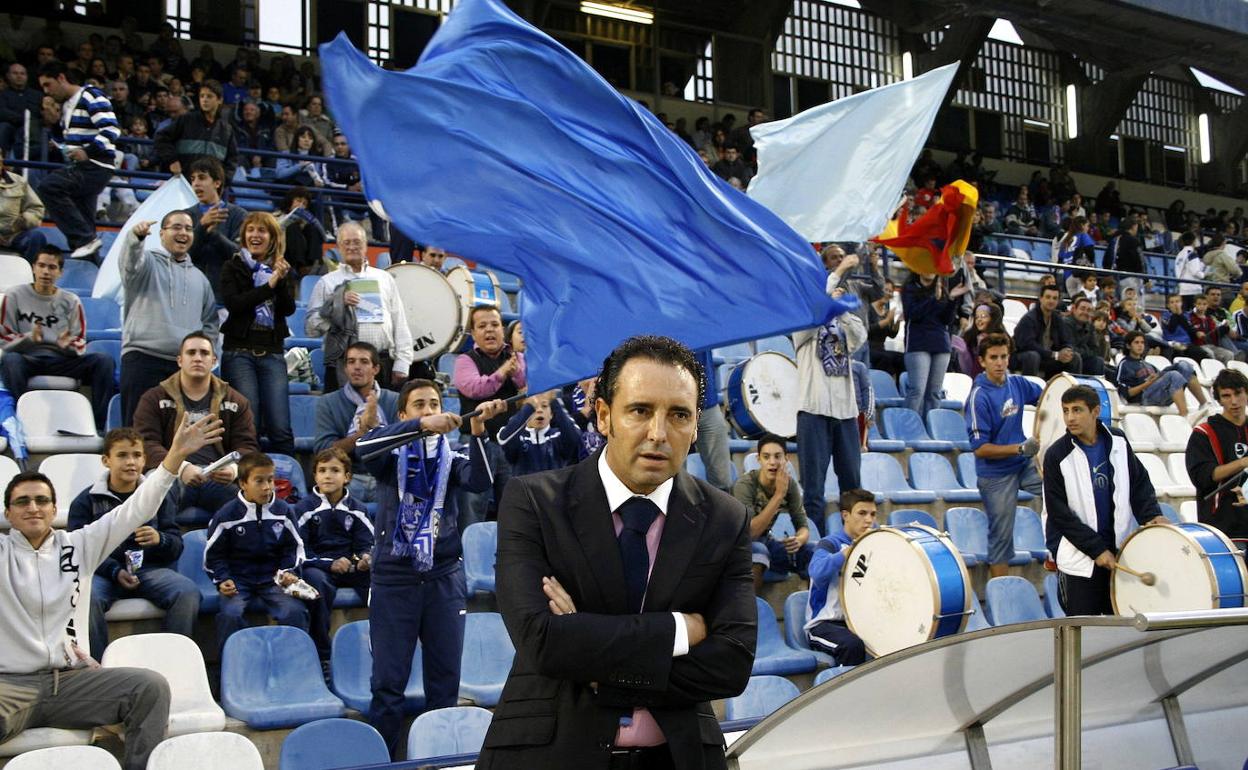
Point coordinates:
pixel 249 541
pixel 826 628
pixel 337 539
pixel 541 436
pixel 418 587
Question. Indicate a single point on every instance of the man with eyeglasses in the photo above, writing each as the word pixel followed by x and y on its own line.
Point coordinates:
pixel 167 298
pixel 46 677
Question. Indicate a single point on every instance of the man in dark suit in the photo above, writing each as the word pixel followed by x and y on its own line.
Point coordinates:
pixel 625 585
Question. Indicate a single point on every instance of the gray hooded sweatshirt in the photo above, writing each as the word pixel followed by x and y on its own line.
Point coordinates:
pixel 165 300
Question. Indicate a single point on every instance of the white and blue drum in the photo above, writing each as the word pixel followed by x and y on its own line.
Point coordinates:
pixel 762 396
pixel 1049 425
pixel 432 308
pixel 903 586
pixel 475 287
pixel 1196 566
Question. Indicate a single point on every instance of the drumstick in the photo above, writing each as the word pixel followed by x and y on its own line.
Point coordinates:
pixel 399 439
pixel 1147 578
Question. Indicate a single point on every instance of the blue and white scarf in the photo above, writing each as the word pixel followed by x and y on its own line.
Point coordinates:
pixel 833 349
pixel 360 405
pixel 260 275
pixel 421 498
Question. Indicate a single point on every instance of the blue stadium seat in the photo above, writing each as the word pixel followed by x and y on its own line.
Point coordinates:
pixel 1029 534
pixel 446 364
pixel 904 516
pixel 448 731
pixel 114 413
pixel 763 695
pixel 111 348
pixel 945 403
pixel 970 478
pixel 831 673
pixel 296 339
pixel 191 564
pixel 194 517
pixel 882 474
pixel 79 276
pixel 948 425
pixel 877 443
pixel 694 465
pixel 1168 511
pixel 1013 599
pixel 383 261
pixel 794 630
pixel 978 619
pixel 271 678
pixel 103 318
pixel 55 238
pixel 330 743
pixel 351 665
pixel 886 393
pixel 1052 607
pixel 306 285
pixel 968 528
pixel 772 655
pixel 488 653
pixel 932 471
pixel 303 421
pixel 318 365
pixel 480 548
pixel 289 468
pixel 780 344
pixel 905 424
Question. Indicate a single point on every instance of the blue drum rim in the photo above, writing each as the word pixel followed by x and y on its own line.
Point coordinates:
pixel 738 410
pixel 1229 564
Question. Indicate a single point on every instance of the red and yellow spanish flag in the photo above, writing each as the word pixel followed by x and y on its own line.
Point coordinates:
pixel 929 244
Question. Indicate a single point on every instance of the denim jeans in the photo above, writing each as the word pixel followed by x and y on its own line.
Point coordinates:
pixel 712 445
pixel 1000 495
pixel 284 609
pixel 29 242
pixel 363 488
pixel 139 373
pixel 94 369
pixel 263 381
pixel 168 589
pixel 210 496
pixel 925 380
pixel 819 438
pixel 69 195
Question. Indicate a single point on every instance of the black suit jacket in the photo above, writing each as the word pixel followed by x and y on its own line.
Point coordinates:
pixel 550 716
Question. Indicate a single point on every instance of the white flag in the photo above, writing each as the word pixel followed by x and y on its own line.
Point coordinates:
pixel 174 193
pixel 835 172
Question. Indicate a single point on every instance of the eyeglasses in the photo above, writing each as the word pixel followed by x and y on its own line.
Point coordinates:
pixel 180 228
pixel 43 501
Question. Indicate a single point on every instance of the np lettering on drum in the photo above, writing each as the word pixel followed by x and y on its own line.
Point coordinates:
pixel 762 396
pixel 437 305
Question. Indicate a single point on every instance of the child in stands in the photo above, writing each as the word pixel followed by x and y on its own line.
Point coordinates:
pixel 338 538
pixel 541 436
pixel 253 548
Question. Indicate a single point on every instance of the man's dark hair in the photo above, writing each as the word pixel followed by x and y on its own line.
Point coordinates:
pixel 417 384
pixel 330 454
pixel 164 221
pixel 55 251
pixel 663 350
pixel 22 478
pixel 994 340
pixel 55 69
pixel 253 461
pixel 1086 395
pixel 118 435
pixel 210 166
pixel 194 336
pixel 851 497
pixel 1080 299
pixel 769 438
pixel 368 348
pixel 211 85
pixel 472 314
pixel 1229 379
pixel 1130 337
pixel 289 197
pixel 1047 288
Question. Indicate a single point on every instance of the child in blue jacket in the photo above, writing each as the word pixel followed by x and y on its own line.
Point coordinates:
pixel 541 436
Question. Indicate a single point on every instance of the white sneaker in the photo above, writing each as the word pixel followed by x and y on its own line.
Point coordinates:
pixel 87 250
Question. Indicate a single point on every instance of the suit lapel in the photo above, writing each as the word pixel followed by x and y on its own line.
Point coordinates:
pixel 595 531
pixel 682 531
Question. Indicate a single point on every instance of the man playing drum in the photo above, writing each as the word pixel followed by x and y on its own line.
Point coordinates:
pixel 1217 454
pixel 1093 486
pixel 994 420
pixel 825 618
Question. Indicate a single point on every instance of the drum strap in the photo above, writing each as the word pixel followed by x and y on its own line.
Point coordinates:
pixel 1211 434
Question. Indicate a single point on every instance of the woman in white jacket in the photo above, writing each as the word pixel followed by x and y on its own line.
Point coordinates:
pixel 46 677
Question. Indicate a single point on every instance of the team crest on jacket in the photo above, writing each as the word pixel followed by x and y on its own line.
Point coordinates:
pixel 277 529
pixel 240 530
pixel 1009 408
pixel 346 524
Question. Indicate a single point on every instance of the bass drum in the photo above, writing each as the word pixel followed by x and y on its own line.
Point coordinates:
pixel 762 396
pixel 474 288
pixel 1196 566
pixel 1049 425
pixel 434 312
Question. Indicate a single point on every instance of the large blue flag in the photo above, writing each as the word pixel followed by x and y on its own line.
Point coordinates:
pixel 503 146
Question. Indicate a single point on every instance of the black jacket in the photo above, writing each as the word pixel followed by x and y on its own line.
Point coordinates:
pixel 188 137
pixel 1030 331
pixel 1224 511
pixel 97 500
pixel 241 297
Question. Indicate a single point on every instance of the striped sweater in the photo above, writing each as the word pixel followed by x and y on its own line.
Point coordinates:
pixel 88 122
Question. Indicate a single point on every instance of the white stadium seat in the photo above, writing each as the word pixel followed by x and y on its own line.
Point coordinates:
pixel 1177 465
pixel 14 271
pixel 1187 511
pixel 957 386
pixel 179 660
pixel 206 751
pixel 70 474
pixel 1142 432
pixel 1161 479
pixel 63 758
pixel 1175 430
pixel 1210 368
pixel 58 421
pixel 41 738
pixel 1013 308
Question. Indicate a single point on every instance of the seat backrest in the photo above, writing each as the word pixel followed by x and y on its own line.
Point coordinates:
pixel 1028 532
pixel 1169 512
pixel 289 469
pixel 978 619
pixel 101 313
pixel 480 546
pixel 968 527
pixel 1013 600
pixel 1210 367
pixel 175 657
pixel 14 271
pixel 330 743
pixel 795 619
pixel 303 415
pixel 929 470
pixel 882 473
pixel 769 637
pixel 1012 308
pixel 957 386
pixel 488 651
pixel 694 466
pixel 191 561
pixel 446 731
pixel 77 274
pixel 206 751
pixel 903 423
pixel 1188 510
pixel 966 470
pixel 831 673
pixel 295 321
pixel 782 526
pixel 63 757
pixel 1177 465
pixel 1175 428
pixel 269 664
pixel 306 285
pixel 947 424
pixel 1156 469
pixel 1052 606
pixel 1140 428
pixel 883 384
pixel 763 695
pixel 903 516
pixel 71 473
pixel 47 412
